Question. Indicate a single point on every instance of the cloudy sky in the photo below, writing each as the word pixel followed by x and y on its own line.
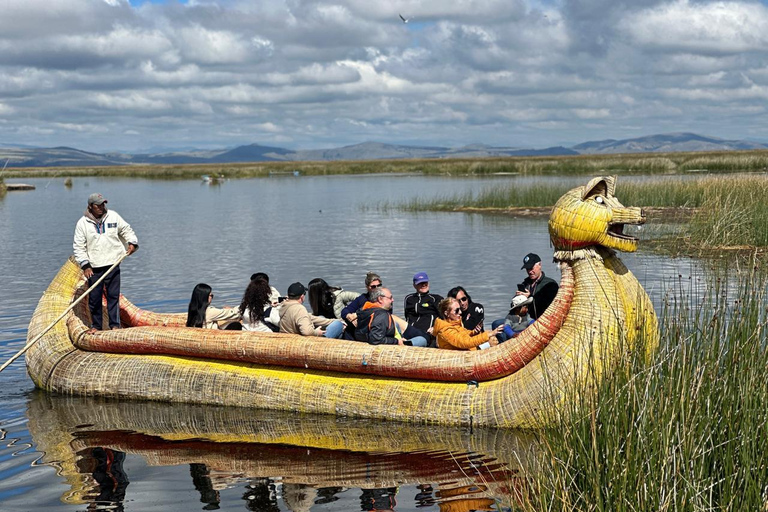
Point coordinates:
pixel 132 75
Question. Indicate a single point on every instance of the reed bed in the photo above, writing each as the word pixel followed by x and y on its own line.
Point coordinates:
pixel 728 211
pixel 685 433
pixel 636 163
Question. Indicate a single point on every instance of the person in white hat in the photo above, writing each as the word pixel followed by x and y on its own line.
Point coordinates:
pixel 101 237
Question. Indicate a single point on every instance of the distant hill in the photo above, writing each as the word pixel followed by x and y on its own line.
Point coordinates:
pixel 28 156
pixel 666 143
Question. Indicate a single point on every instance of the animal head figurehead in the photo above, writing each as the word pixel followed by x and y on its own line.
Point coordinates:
pixel 591 215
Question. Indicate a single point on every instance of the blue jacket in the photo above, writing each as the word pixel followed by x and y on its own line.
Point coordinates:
pixel 354 306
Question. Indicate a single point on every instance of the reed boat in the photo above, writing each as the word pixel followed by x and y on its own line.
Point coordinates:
pixel 600 314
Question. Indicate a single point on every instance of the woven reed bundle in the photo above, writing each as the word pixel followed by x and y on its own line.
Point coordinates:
pixel 165 434
pixel 607 311
pixel 330 355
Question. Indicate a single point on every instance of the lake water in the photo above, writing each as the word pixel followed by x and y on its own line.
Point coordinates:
pixel 60 453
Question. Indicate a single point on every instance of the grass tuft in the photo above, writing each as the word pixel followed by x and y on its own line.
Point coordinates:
pixel 686 432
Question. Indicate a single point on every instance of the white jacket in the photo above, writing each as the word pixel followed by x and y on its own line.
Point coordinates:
pixel 102 244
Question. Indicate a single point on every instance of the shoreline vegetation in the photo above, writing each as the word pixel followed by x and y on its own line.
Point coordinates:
pixel 718 212
pixel 683 431
pixel 635 163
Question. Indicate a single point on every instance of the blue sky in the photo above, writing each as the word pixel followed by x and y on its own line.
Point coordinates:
pixel 117 75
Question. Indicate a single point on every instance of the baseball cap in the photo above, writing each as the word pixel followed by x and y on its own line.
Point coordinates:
pixel 530 260
pixel 296 290
pixel 96 199
pixel 420 277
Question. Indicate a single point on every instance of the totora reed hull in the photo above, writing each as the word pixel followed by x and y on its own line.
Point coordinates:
pixel 600 314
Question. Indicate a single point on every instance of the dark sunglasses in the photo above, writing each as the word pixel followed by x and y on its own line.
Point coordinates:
pixel 463 299
pixel 456 311
pixel 374 286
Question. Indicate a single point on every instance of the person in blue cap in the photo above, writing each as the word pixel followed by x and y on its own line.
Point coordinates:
pixel 420 307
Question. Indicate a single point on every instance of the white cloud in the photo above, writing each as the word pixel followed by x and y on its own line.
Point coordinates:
pixel 206 46
pixel 132 101
pixel 321 73
pixel 702 28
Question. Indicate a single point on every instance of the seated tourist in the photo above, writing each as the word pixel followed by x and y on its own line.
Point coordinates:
pixel 328 301
pixel 420 307
pixel 295 319
pixel 256 309
pixel 543 289
pixel 517 319
pixel 201 314
pixel 472 313
pixel 450 334
pixel 274 295
pixel 376 324
pixel 349 312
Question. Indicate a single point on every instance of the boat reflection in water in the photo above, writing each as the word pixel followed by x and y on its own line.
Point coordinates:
pixel 303 460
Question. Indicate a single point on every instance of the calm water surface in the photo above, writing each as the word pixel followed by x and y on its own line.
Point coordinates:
pixel 77 454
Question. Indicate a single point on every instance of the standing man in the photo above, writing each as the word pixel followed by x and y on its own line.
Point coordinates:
pixel 100 240
pixel 542 288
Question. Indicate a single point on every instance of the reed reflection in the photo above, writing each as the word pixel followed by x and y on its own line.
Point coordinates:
pixel 305 461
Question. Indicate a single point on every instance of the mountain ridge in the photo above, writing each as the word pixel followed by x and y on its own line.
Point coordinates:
pixel 64 156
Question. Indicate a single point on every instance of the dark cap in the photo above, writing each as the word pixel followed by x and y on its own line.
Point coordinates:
pixel 421 277
pixel 296 290
pixel 530 260
pixel 96 199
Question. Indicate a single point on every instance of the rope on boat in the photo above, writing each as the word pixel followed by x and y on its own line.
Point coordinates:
pixel 71 306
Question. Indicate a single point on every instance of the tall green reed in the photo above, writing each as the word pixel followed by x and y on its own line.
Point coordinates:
pixel 685 433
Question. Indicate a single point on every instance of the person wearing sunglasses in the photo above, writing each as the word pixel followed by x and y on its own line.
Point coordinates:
pixel 472 313
pixel 451 335
pixel 200 313
pixel 349 313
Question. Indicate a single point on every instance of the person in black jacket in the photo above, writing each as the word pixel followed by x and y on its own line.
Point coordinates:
pixel 472 313
pixel 542 288
pixel 421 307
pixel 377 326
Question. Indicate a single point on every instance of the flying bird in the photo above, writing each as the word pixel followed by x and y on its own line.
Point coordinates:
pixel 405 20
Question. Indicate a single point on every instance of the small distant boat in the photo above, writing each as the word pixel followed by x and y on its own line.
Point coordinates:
pixel 212 180
pixel 19 186
pixel 285 173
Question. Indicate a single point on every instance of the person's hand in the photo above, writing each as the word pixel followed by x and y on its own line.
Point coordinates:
pixel 492 334
pixel 400 341
pixel 352 318
pixel 88 273
pixel 319 331
pixel 430 330
pixel 478 328
pixel 527 294
pixel 132 249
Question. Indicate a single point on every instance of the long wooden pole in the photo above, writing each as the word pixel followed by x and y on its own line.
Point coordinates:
pixel 71 306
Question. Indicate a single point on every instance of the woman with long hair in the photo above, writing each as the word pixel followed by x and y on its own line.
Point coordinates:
pixel 450 334
pixel 201 314
pixel 326 300
pixel 256 307
pixel 472 313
